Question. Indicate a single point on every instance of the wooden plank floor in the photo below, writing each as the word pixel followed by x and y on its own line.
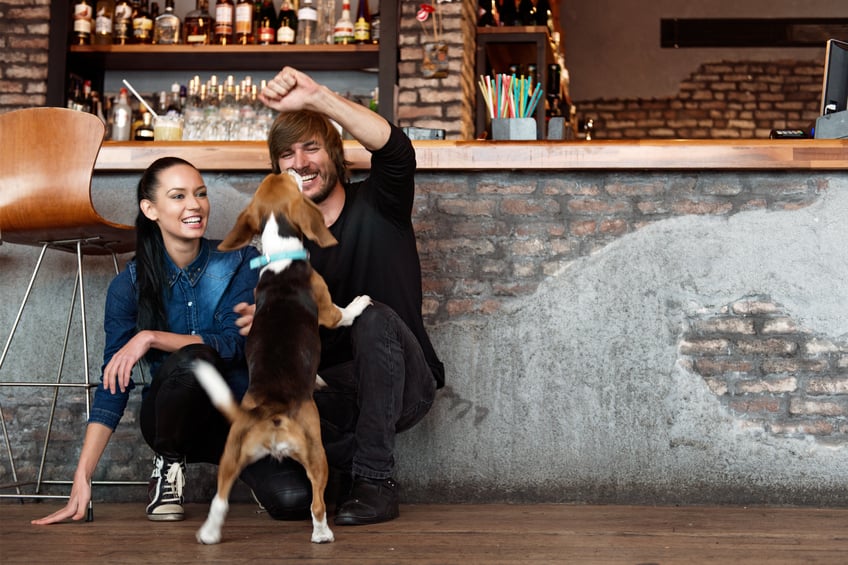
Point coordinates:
pixel 442 534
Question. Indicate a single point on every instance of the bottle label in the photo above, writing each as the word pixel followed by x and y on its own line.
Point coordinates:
pixel 142 28
pixel 199 39
pixel 266 34
pixel 343 34
pixel 307 14
pixel 361 30
pixel 224 19
pixel 82 18
pixel 244 18
pixel 285 34
pixel 123 12
pixel 103 24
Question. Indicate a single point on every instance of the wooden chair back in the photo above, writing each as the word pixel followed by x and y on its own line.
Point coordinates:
pixel 47 158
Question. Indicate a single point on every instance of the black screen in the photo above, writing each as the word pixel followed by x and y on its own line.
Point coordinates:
pixel 835 84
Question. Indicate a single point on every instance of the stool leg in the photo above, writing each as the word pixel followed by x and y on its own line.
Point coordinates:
pixel 3 359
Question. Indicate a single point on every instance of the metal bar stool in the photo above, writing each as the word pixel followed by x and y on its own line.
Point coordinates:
pixel 47 158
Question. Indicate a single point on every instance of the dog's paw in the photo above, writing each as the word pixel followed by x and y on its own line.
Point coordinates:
pixel 208 535
pixel 322 534
pixel 354 309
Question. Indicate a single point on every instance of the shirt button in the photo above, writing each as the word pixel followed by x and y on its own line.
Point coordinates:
pixel 191 303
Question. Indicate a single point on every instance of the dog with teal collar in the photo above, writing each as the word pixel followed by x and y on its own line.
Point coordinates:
pixel 278 415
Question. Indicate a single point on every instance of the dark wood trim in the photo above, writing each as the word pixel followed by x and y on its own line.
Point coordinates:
pixel 750 32
pixel 56 53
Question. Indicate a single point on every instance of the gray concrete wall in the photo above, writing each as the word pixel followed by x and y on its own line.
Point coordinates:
pixel 580 388
pixel 578 391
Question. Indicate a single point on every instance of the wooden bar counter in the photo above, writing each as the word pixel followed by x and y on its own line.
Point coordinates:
pixel 803 154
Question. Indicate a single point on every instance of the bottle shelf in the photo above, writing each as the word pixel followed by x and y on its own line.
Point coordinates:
pixel 500 47
pixel 214 57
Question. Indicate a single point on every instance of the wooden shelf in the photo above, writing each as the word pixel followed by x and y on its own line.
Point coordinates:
pixel 92 61
pixel 213 57
pixel 500 47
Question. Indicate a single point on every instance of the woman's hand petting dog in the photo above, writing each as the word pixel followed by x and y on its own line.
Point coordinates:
pixel 245 319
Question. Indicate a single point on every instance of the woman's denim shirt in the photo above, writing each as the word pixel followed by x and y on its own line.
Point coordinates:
pixel 199 301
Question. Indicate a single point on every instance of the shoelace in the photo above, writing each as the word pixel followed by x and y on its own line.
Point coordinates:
pixel 175 480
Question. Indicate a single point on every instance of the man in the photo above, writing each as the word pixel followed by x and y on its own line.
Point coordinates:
pixel 382 372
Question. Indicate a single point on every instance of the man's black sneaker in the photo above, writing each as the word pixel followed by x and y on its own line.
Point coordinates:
pixel 371 501
pixel 165 490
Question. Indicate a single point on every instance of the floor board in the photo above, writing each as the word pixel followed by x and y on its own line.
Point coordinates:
pixel 442 534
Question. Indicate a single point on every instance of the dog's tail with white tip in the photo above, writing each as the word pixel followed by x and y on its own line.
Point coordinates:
pixel 216 387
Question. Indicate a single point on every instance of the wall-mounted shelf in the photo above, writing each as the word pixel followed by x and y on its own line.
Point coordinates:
pixel 212 57
pixel 92 61
pixel 500 47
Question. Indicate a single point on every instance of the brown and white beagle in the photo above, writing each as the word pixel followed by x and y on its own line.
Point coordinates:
pixel 277 415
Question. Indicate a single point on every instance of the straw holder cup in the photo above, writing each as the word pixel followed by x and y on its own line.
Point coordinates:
pixel 514 128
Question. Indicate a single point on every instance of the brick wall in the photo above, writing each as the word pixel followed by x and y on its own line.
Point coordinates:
pixel 485 238
pixel 23 53
pixel 441 103
pixel 724 100
pixel 775 375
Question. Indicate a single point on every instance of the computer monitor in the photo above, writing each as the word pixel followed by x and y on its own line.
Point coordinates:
pixel 835 82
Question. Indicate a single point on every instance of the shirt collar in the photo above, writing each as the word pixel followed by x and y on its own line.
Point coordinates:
pixel 194 270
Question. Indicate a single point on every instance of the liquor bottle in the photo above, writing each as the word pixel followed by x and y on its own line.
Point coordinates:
pixel 526 13
pixel 326 20
pixel 199 25
pixel 485 17
pixel 82 22
pixel 144 131
pixel 553 90
pixel 224 18
pixel 375 28
pixel 362 25
pixel 174 107
pixel 343 30
pixel 266 31
pixel 244 22
pixel 167 26
pixel 122 27
pixel 307 24
pixel 507 12
pixel 84 104
pixel 193 111
pixel 154 10
pixel 104 22
pixel 286 23
pixel 543 12
pixel 121 117
pixel 143 24
pixel 257 18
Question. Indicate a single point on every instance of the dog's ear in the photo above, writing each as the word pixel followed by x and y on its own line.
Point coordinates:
pixel 243 231
pixel 311 222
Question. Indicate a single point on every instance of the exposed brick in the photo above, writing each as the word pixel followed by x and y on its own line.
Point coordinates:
pixel 755 404
pixel 802 427
pixel 724 326
pixel 767 347
pixel 817 407
pixel 709 366
pixel 789 384
pixel 773 366
pixel 827 385
pixel 704 347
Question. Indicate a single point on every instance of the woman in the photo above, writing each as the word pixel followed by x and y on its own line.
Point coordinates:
pixel 172 305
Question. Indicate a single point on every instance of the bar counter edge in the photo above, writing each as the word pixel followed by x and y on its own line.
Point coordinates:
pixel 677 154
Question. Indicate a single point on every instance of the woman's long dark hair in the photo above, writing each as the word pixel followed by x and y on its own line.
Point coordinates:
pixel 152 276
